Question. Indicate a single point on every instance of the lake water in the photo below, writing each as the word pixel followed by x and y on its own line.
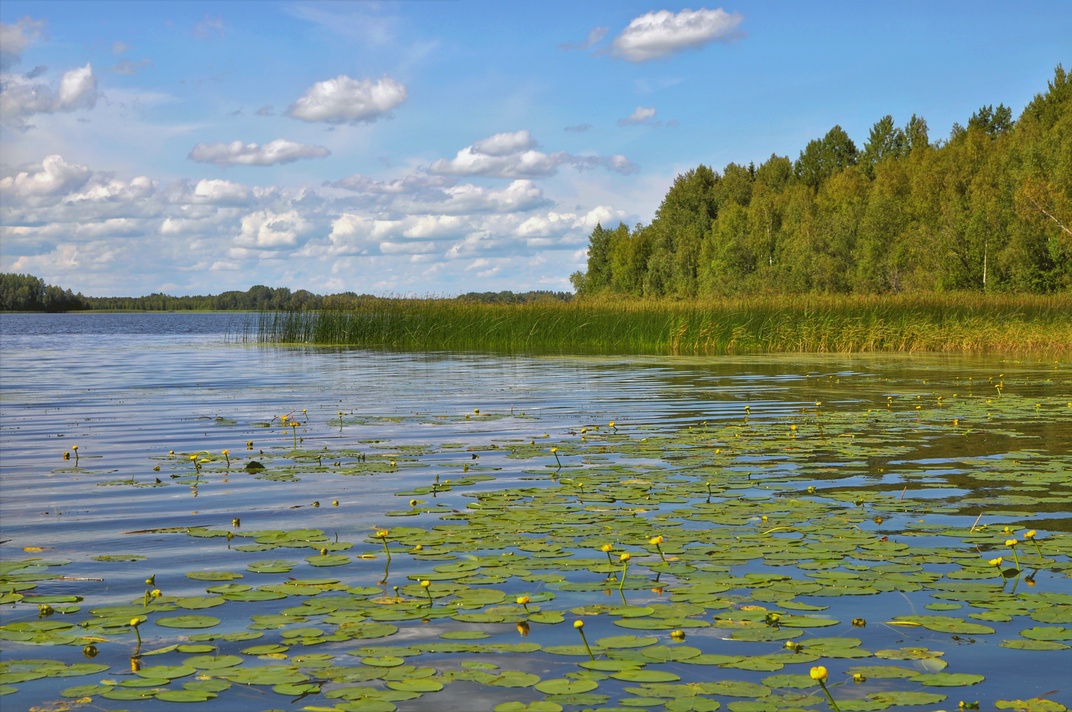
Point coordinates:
pixel 919 450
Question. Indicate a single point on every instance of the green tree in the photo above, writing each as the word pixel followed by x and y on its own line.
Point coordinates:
pixel 822 158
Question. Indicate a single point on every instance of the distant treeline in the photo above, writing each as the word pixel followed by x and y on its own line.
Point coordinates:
pixel 23 292
pixel 988 210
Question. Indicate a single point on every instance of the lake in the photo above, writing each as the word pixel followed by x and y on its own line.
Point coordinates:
pixel 842 511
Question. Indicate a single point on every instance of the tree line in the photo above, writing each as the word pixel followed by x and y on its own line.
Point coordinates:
pixel 23 292
pixel 988 209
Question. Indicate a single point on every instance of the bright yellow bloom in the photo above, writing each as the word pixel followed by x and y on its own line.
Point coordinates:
pixel 382 533
pixel 522 600
pixel 74 447
pixel 818 673
pixel 226 452
pixel 624 557
pixel 1030 535
pixel 554 450
pixel 1011 542
pixel 426 583
pixel 578 624
pixel 606 548
pixel 135 622
pixel 996 562
pixel 677 635
pixel 155 593
pixel 612 423
pixel 655 540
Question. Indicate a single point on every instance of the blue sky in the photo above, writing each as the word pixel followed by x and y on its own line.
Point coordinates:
pixel 434 148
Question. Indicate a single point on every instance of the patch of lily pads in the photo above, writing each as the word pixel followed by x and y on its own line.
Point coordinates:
pixel 717 565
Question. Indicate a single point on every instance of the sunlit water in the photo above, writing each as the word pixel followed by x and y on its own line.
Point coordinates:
pixel 127 389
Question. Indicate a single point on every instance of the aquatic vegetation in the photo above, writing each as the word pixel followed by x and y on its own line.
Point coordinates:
pixel 769 541
pixel 944 322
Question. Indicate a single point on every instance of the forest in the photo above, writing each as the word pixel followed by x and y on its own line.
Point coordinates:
pixel 23 292
pixel 987 210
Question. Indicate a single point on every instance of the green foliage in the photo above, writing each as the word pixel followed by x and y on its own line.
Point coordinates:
pixel 962 322
pixel 23 292
pixel 989 210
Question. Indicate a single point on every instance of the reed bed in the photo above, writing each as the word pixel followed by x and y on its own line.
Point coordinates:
pixel 949 323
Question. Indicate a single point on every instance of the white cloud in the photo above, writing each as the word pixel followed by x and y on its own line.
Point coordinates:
pixel 428 227
pixel 504 144
pixel 519 196
pixel 268 230
pixel 55 177
pixel 113 190
pixel 512 155
pixel 15 38
pixel 408 184
pixel 660 34
pixel 344 100
pixel 642 115
pixel 237 153
pixel 21 97
pixel 221 192
pixel 471 162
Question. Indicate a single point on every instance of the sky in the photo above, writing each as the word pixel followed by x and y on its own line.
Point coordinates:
pixel 432 148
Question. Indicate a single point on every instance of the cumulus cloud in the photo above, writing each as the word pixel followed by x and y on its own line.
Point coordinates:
pixel 221 192
pixel 504 144
pixel 55 177
pixel 525 164
pixel 642 115
pixel 519 196
pixel 111 189
pixel 265 229
pixel 344 100
pixel 21 97
pixel 660 34
pixel 413 183
pixel 15 38
pixel 237 153
pixel 513 155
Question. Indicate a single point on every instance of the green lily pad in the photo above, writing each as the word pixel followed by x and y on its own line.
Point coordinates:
pixel 947 679
pixel 187 622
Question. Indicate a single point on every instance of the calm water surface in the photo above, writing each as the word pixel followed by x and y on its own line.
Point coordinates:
pixel 129 388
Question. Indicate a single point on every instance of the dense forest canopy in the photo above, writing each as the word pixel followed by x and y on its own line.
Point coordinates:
pixel 988 209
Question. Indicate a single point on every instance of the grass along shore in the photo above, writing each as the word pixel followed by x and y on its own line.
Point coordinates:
pixel 946 323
